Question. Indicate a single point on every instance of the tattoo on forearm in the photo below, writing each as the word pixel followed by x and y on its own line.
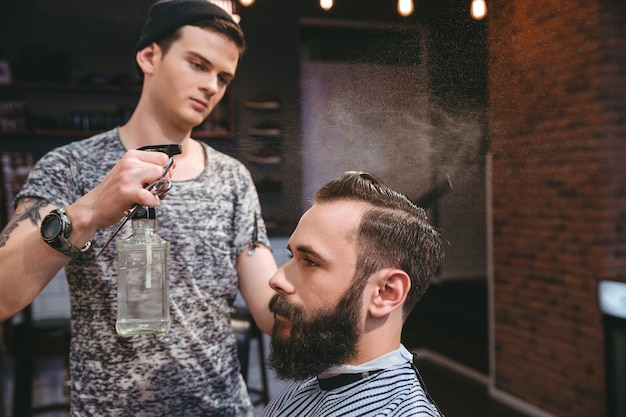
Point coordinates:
pixel 30 212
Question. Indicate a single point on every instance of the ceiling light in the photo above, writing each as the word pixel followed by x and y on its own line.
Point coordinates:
pixel 478 9
pixel 326 4
pixel 405 7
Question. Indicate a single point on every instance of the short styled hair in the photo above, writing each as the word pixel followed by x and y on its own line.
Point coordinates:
pixel 393 232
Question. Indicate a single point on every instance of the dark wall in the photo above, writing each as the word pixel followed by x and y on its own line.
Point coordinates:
pixel 65 40
pixel 269 70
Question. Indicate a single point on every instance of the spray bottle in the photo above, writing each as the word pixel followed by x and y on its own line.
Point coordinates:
pixel 142 289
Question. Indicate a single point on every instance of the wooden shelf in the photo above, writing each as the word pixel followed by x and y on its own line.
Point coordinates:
pixel 76 134
pixel 12 92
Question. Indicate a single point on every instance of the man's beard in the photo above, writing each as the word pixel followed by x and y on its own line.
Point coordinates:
pixel 309 347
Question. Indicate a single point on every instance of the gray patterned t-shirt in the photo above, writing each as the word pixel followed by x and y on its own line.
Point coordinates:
pixel 193 369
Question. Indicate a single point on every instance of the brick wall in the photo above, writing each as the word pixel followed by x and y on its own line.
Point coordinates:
pixel 557 129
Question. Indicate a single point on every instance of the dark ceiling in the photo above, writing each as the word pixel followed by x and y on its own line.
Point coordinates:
pixel 381 10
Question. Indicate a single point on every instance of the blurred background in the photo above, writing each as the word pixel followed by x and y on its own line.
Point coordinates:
pixel 509 127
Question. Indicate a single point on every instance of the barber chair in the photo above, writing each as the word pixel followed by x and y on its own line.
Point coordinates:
pixel 246 331
pixel 26 342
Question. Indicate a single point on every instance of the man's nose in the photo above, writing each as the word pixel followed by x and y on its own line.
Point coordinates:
pixel 209 83
pixel 279 282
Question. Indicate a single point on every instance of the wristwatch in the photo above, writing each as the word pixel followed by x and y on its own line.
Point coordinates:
pixel 55 231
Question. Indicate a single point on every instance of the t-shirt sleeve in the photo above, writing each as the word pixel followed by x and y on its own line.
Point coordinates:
pixel 52 178
pixel 249 224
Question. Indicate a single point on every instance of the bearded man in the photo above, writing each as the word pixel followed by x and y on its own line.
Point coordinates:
pixel 361 258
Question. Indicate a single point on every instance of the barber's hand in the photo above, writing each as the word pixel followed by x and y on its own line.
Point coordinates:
pixel 124 185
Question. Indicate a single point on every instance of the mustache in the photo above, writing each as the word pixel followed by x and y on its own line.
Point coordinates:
pixel 280 306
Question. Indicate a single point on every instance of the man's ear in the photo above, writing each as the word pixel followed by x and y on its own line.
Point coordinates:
pixel 146 58
pixel 391 287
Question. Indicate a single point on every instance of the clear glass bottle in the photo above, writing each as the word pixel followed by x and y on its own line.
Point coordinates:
pixel 142 278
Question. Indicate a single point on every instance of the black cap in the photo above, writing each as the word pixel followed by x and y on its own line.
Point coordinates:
pixel 144 212
pixel 165 16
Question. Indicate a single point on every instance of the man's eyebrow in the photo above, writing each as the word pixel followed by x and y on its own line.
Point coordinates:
pixel 306 250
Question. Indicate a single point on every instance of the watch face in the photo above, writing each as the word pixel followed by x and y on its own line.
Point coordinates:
pixel 51 227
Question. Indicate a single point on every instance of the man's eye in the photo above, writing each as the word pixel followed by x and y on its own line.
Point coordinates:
pixel 196 65
pixel 224 80
pixel 310 262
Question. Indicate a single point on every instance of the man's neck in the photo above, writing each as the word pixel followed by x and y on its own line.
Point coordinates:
pixel 377 340
pixel 394 357
pixel 143 129
pixel 189 164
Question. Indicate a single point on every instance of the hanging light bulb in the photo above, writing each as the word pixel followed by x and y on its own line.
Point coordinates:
pixel 326 4
pixel 405 7
pixel 246 3
pixel 479 9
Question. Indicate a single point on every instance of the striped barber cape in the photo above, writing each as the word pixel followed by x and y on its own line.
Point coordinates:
pixel 397 391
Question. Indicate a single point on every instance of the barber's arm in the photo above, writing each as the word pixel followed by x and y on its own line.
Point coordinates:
pixel 29 263
pixel 255 268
